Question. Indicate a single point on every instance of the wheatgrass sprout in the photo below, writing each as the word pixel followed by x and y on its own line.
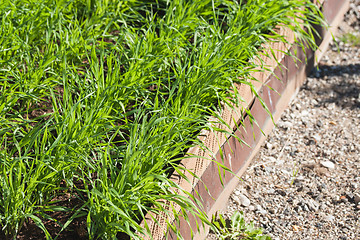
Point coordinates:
pixel 100 100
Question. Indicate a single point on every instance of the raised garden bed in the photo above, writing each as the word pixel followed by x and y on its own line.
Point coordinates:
pixel 100 100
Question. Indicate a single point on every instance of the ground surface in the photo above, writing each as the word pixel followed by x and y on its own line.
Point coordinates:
pixel 305 181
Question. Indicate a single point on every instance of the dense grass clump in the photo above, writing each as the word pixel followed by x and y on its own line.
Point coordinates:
pixel 99 100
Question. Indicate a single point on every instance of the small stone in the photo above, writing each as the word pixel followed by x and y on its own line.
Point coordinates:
pixel 350 195
pixel 260 210
pixel 318 225
pixel 317 137
pixel 270 159
pixel 336 198
pixel 269 169
pixel 304 113
pixel 321 187
pixel 329 218
pixel 313 205
pixel 299 178
pixel 263 212
pixel 311 141
pixel 319 123
pixel 332 123
pixel 296 228
pixel 331 106
pixel 269 146
pixel 251 208
pixel 242 200
pixel 281 192
pixel 284 171
pixel 323 206
pixel 357 198
pixel 236 199
pixel 327 164
pixel 271 191
pixel 303 205
pixel 285 125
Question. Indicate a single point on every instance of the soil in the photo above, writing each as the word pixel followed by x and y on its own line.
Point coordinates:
pixel 76 230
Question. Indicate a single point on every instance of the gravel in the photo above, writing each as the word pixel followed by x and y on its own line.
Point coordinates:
pixel 305 182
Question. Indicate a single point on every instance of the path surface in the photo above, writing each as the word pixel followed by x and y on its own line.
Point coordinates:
pixel 305 181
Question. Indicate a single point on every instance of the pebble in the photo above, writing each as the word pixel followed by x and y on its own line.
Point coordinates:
pixel 260 210
pixel 285 125
pixel 271 191
pixel 317 137
pixel 331 106
pixel 281 192
pixel 304 113
pixel 356 198
pixel 319 123
pixel 237 192
pixel 313 205
pixel 271 159
pixel 284 171
pixel 269 146
pixel 329 218
pixel 336 198
pixel 242 200
pixel 327 164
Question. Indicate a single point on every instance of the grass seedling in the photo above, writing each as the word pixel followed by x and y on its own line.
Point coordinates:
pixel 236 228
pixel 351 38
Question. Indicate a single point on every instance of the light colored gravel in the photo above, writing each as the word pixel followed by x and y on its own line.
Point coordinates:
pixel 305 181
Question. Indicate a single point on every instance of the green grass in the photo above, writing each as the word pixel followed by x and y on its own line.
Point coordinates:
pixel 351 38
pixel 236 228
pixel 99 100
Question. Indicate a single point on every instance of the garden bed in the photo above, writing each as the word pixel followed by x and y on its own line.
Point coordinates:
pixel 100 102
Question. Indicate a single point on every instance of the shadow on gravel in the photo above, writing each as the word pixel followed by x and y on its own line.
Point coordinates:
pixel 342 87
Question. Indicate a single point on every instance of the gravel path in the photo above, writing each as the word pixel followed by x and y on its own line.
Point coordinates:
pixel 305 181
